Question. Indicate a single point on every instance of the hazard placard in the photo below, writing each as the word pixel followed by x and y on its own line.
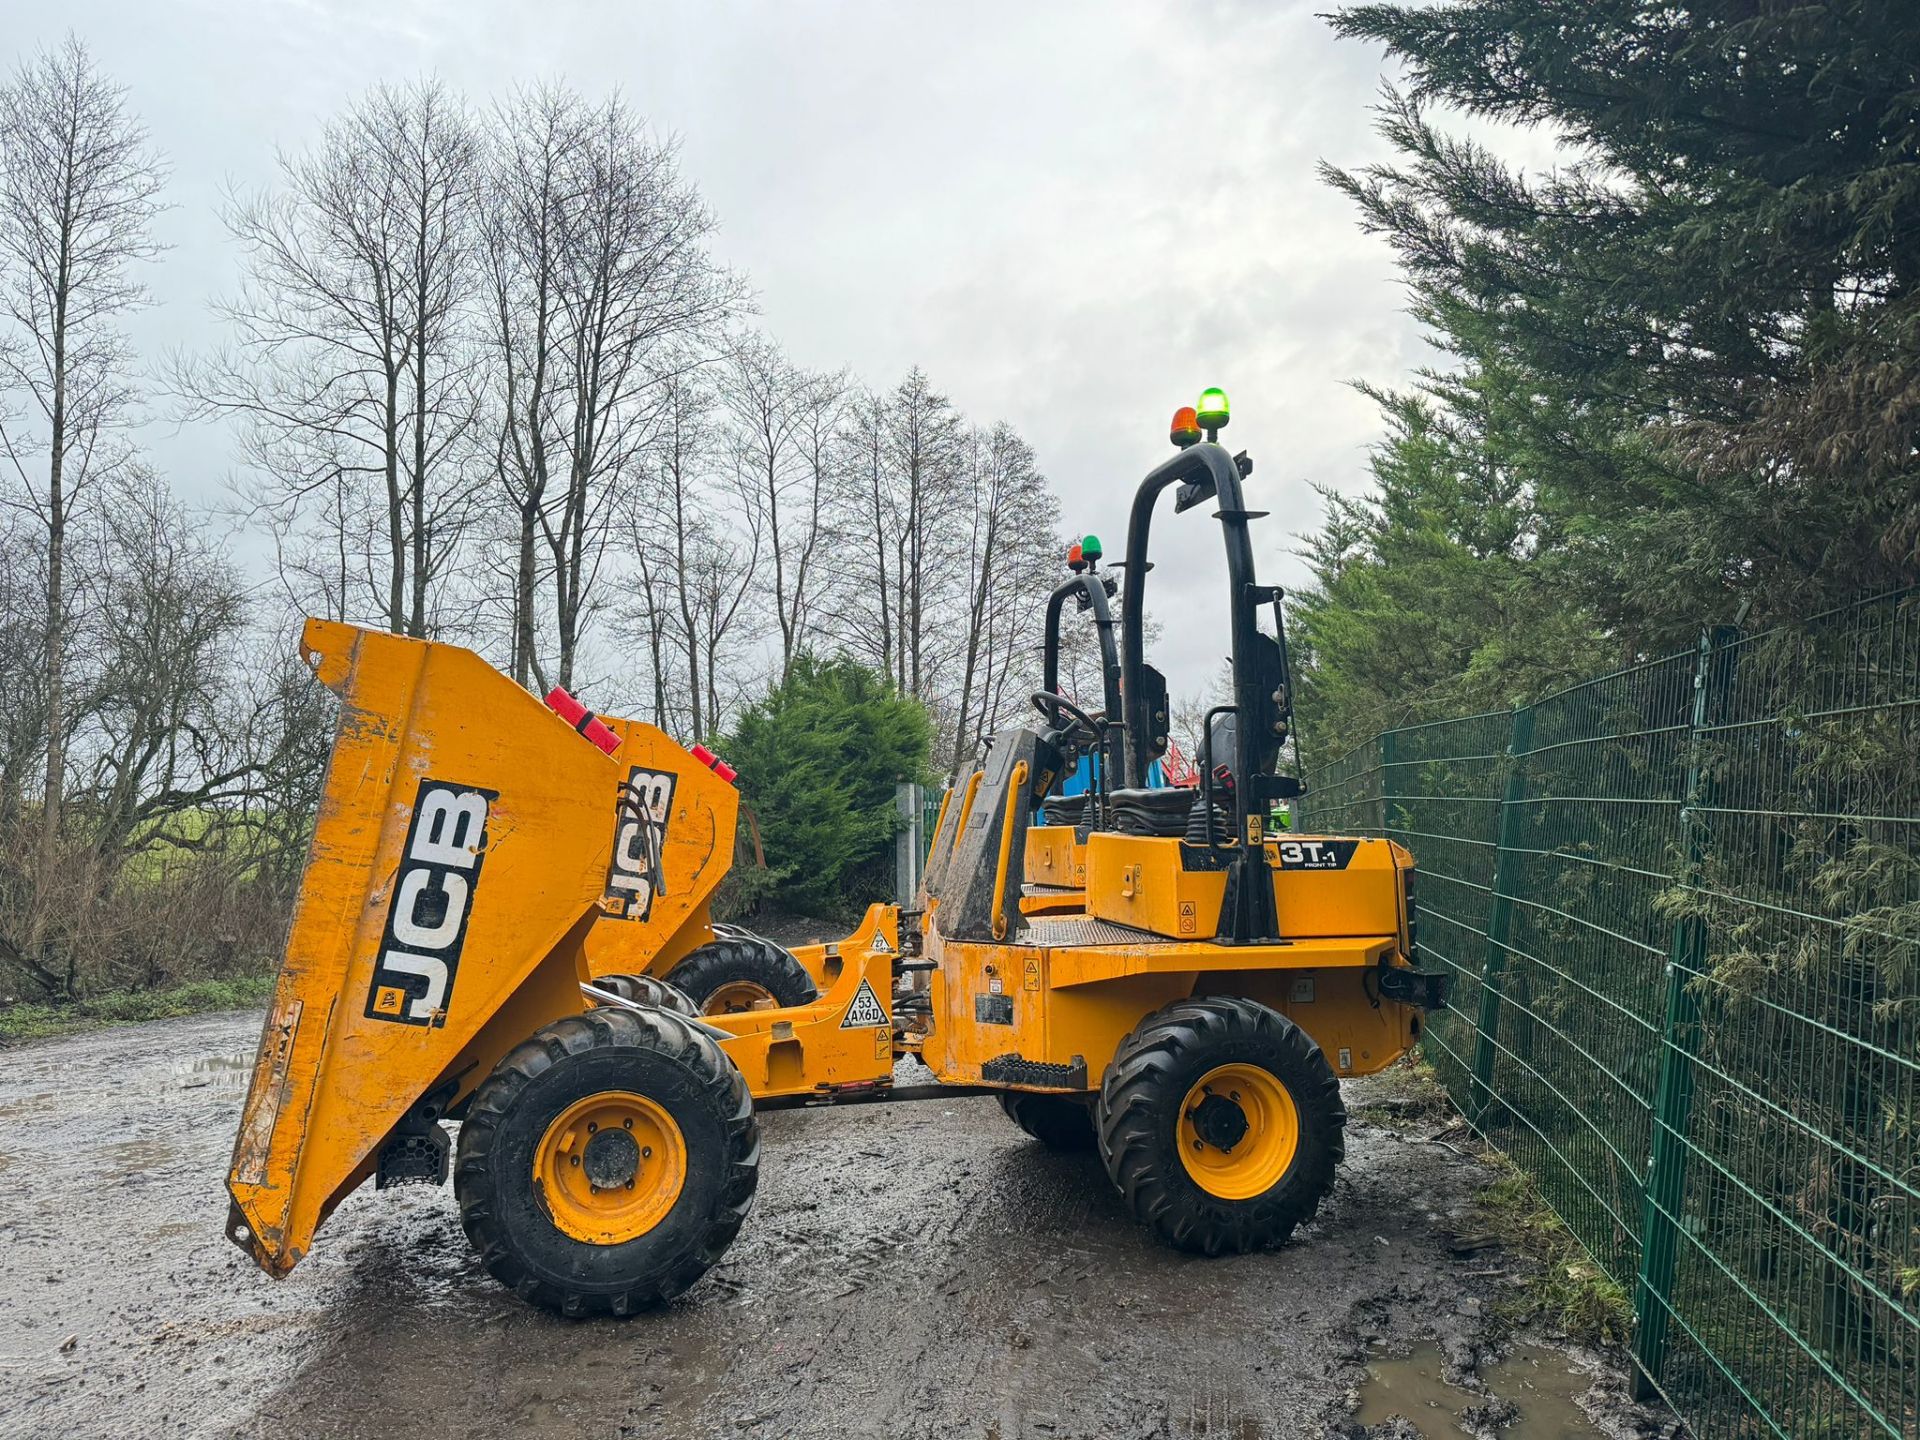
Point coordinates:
pixel 1031 980
pixel 864 1011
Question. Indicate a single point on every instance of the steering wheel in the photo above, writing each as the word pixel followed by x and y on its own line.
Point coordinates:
pixel 1052 707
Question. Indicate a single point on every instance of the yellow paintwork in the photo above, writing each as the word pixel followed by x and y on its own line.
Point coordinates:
pixel 1138 880
pixel 1353 901
pixel 342 1059
pixel 431 740
pixel 1260 1157
pixel 1016 797
pixel 809 1049
pixel 1055 857
pixel 878 931
pixel 1047 900
pixel 697 852
pixel 616 1214
pixel 1072 1005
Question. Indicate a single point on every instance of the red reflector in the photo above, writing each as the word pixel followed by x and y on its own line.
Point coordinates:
pixel 713 762
pixel 565 706
pixel 600 735
pixel 582 720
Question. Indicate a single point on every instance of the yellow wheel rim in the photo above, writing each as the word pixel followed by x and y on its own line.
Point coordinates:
pixel 736 996
pixel 610 1167
pixel 1239 1130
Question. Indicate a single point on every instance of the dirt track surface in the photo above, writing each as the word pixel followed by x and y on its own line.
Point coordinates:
pixel 911 1270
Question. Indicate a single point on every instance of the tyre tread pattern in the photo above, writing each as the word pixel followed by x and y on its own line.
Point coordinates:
pixel 744 957
pixel 666 1034
pixel 650 990
pixel 1168 1051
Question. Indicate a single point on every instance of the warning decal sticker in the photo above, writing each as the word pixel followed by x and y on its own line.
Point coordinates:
pixel 1317 854
pixel 864 1011
pixel 878 945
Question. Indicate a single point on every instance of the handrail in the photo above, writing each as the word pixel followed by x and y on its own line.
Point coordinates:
pixel 1016 795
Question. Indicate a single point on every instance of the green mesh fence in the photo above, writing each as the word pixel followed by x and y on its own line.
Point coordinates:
pixel 1681 907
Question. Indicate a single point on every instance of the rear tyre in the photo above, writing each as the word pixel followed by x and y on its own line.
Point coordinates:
pixel 649 990
pixel 1058 1122
pixel 740 972
pixel 607 1162
pixel 1221 1122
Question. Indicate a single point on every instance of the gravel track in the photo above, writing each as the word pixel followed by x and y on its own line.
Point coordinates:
pixel 911 1270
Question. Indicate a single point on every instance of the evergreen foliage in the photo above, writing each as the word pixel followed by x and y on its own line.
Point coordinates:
pixel 819 758
pixel 1681 371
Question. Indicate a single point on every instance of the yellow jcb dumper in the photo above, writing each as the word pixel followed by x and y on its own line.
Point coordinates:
pixel 476 864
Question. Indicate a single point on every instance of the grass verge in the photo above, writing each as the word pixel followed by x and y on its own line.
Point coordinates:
pixel 1562 1288
pixel 1565 1289
pixel 34 1022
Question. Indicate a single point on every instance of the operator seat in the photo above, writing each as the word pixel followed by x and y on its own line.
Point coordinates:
pixel 1064 809
pixel 1160 811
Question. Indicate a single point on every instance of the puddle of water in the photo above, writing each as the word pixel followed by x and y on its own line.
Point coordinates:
pixel 140 1155
pixel 1536 1381
pixel 207 1064
pixel 220 1071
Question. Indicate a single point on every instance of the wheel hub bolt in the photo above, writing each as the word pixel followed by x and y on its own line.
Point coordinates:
pixel 611 1159
pixel 1220 1122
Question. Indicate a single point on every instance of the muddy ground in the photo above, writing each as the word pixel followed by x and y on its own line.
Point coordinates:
pixel 911 1270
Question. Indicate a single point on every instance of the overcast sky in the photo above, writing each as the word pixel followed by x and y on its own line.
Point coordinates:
pixel 1073 216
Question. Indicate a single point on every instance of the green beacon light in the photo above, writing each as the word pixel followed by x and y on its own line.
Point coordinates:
pixel 1212 410
pixel 1091 550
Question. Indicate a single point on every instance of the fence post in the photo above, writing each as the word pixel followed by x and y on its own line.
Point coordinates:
pixel 1506 866
pixel 1673 1099
pixel 907 849
pixel 1389 756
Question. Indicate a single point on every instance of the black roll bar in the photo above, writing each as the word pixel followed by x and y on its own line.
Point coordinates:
pixel 1094 592
pixel 1206 469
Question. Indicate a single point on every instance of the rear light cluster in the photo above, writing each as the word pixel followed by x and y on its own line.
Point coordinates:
pixel 714 763
pixel 582 719
pixel 589 725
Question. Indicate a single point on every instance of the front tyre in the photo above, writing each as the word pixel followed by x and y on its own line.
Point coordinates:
pixel 743 972
pixel 607 1162
pixel 1221 1122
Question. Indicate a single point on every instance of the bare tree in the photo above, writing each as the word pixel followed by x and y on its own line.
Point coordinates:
pixel 600 284
pixel 905 487
pixel 781 427
pixel 923 448
pixel 820 406
pixel 351 366
pixel 79 187
pixel 1011 545
pixel 866 625
pixel 699 570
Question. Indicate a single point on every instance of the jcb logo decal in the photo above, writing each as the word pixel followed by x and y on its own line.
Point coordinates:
pixel 634 874
pixel 432 898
